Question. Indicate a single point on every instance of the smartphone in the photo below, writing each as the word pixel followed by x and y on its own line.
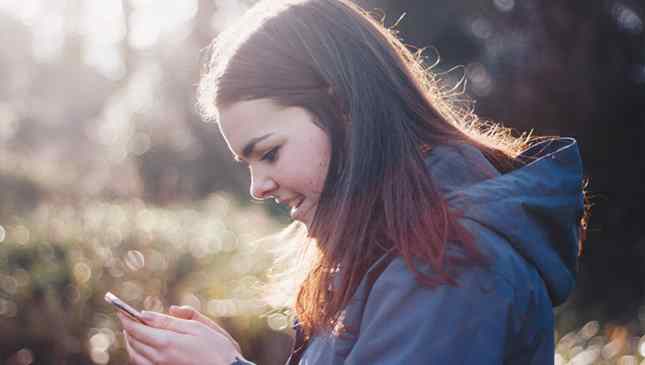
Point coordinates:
pixel 124 307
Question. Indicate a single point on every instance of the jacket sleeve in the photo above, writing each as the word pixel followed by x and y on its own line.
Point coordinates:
pixel 406 323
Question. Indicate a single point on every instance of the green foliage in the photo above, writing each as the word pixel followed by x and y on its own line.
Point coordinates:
pixel 57 263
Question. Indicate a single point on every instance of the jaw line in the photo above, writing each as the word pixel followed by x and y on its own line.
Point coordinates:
pixel 301 199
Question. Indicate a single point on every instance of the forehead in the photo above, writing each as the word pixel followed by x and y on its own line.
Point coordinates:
pixel 244 120
pixel 247 114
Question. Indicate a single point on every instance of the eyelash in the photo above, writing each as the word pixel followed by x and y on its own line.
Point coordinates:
pixel 271 155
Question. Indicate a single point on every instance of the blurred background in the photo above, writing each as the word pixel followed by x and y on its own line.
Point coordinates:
pixel 109 180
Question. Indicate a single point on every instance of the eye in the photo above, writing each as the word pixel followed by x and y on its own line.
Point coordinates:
pixel 272 155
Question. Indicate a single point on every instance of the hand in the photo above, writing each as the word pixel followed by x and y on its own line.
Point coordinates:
pixel 188 312
pixel 171 340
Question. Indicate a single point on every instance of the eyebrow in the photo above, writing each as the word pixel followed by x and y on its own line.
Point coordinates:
pixel 250 145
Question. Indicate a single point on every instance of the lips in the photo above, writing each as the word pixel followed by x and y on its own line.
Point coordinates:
pixel 287 202
pixel 294 205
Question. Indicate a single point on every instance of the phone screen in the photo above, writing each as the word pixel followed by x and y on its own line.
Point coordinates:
pixel 123 307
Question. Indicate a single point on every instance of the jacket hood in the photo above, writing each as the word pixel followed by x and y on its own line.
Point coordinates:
pixel 537 208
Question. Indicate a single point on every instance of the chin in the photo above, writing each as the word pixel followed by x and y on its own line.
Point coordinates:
pixel 307 220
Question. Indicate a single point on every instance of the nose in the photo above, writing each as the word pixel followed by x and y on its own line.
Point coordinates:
pixel 262 186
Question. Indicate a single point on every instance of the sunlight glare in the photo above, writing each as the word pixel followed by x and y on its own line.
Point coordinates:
pixel 226 12
pixel 48 37
pixel 25 10
pixel 102 25
pixel 102 21
pixel 107 60
pixel 150 20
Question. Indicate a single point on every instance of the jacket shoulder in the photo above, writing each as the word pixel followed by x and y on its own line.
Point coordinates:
pixel 406 322
pixel 455 167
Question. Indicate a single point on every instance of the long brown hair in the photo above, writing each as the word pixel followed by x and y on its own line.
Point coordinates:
pixel 383 111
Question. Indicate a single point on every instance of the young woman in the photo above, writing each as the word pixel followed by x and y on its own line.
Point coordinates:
pixel 438 241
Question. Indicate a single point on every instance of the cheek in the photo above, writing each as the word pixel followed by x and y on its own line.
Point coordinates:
pixel 318 164
pixel 308 177
pixel 306 163
pixel 321 165
pixel 305 173
pixel 320 174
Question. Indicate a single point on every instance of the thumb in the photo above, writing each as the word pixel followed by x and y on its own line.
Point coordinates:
pixel 190 313
pixel 163 321
pixel 185 312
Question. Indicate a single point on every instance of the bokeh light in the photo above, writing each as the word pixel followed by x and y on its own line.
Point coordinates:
pixel 20 234
pixel 112 182
pixel 626 18
pixel 481 80
pixel 8 308
pixel 481 28
pixel 99 357
pixel 131 291
pixel 82 272
pixel 100 342
pixel 221 307
pixel 504 5
pixel 277 321
pixel 8 284
pixel 153 303
pixel 134 260
pixel 641 346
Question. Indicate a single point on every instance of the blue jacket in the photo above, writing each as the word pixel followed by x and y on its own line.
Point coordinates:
pixel 527 221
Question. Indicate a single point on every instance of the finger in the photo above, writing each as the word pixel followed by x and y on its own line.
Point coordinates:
pixel 150 353
pixel 135 357
pixel 154 337
pixel 166 322
pixel 188 312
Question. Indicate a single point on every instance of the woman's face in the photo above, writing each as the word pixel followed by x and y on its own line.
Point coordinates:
pixel 287 154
